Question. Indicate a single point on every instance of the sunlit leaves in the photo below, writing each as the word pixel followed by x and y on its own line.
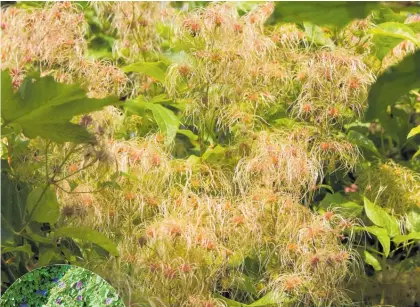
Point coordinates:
pixel 413 220
pixel 219 139
pixel 332 13
pixel 341 205
pixel 389 34
pixel 43 107
pixel 270 299
pixel 156 70
pixel 371 260
pixel 416 154
pixel 88 235
pixel 167 121
pixel 381 234
pixel 214 154
pixel 381 218
pixel 26 248
pixel 43 205
pixel 46 254
pixel 414 132
pixel 165 118
pixel 317 35
pixel 244 283
pixel 404 238
pixel 362 141
pixel 386 14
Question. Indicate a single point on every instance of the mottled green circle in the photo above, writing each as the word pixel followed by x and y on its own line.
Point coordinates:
pixel 60 285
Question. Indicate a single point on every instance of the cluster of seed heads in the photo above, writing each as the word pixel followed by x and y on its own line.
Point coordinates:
pixel 135 26
pixel 53 39
pixel 185 226
pixel 391 185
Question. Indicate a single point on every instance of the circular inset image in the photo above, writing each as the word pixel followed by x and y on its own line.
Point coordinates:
pixel 60 285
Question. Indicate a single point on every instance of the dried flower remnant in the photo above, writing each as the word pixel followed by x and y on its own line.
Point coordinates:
pixel 231 61
pixel 273 105
pixel 392 185
pixel 135 25
pixel 292 283
pixel 53 38
pixel 274 159
pixel 344 99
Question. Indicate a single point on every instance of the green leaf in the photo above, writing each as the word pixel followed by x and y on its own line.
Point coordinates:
pixel 386 14
pixel 26 248
pixel 317 35
pixel 72 184
pixel 162 99
pixel 214 154
pixel 404 238
pixel 156 70
pixel 37 238
pixel 371 260
pixel 6 131
pixel 413 220
pixel 389 34
pixel 194 160
pixel 136 106
pixel 189 134
pixel 390 86
pixel 167 121
pixel 416 154
pixel 244 283
pixel 327 187
pixel 229 302
pixel 414 132
pixel 87 234
pixel 236 260
pixel 342 205
pixel 252 265
pixel 165 118
pixel 42 107
pixel 381 234
pixel 271 299
pixel 381 218
pixel 362 141
pixel 284 122
pixel 13 202
pixel 47 208
pixel 333 13
pixel 46 254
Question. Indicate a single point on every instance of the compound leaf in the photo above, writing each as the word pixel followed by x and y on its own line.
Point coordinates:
pixel 43 107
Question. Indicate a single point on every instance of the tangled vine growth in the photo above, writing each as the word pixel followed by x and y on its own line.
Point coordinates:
pixel 215 154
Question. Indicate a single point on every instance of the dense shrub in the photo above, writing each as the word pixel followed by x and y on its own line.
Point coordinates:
pixel 213 154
